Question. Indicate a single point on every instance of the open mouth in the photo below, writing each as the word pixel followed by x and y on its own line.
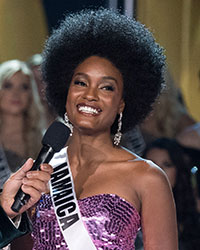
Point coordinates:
pixel 89 109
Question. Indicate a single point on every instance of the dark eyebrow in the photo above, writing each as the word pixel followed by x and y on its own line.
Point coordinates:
pixel 104 77
pixel 80 74
pixel 110 78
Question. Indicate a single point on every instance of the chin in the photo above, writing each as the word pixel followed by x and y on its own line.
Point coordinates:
pixel 86 129
pixel 15 112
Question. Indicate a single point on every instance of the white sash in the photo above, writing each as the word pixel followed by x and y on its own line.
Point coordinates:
pixel 66 205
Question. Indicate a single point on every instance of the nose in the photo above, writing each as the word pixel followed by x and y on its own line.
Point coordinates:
pixel 16 91
pixel 91 93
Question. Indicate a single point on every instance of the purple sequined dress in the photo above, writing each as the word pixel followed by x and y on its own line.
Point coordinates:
pixel 111 221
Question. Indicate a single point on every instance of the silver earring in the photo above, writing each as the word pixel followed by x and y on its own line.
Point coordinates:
pixel 118 135
pixel 68 124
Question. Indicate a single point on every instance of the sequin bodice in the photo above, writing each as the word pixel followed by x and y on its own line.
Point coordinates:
pixel 111 221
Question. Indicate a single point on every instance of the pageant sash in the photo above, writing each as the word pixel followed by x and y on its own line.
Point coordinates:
pixel 66 206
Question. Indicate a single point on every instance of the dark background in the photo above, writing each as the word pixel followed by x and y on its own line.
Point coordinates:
pixel 55 9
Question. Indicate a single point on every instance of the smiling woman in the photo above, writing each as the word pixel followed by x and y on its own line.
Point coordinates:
pixel 103 71
pixel 95 96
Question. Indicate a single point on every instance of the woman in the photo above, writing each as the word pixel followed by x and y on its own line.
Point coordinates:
pixel 168 154
pixel 103 71
pixel 21 122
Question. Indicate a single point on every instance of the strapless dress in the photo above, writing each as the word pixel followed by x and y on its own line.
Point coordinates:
pixel 111 221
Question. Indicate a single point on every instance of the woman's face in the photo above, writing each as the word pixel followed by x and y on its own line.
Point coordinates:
pixel 95 95
pixel 15 94
pixel 162 159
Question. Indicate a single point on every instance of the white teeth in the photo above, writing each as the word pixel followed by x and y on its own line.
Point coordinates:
pixel 88 110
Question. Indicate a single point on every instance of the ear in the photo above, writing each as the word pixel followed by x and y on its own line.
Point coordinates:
pixel 121 106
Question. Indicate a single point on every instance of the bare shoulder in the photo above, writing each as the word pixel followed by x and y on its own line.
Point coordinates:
pixel 145 169
pixel 145 176
pixel 150 172
pixel 151 185
pixel 141 172
pixel 152 179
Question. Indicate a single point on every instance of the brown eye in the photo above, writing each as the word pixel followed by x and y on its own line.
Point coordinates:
pixel 7 85
pixel 80 83
pixel 25 86
pixel 108 88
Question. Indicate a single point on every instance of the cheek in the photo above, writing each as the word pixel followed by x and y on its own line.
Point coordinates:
pixel 68 101
pixel 4 94
pixel 4 99
pixel 171 173
pixel 112 102
pixel 69 106
pixel 1 103
pixel 27 100
pixel 27 97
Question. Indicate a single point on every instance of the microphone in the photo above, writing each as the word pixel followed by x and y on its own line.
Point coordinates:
pixel 53 141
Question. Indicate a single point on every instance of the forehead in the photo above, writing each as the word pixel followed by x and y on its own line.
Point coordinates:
pixel 19 76
pixel 99 66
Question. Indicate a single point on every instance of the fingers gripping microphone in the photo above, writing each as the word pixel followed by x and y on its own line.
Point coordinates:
pixel 53 141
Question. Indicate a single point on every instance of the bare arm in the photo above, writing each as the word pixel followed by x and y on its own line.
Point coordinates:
pixel 33 183
pixel 158 212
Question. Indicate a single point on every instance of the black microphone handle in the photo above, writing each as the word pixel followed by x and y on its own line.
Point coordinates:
pixel 44 156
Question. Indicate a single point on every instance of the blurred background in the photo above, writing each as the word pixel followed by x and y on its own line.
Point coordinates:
pixel 24 26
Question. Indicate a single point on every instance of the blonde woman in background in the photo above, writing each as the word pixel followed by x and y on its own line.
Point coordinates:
pixel 21 113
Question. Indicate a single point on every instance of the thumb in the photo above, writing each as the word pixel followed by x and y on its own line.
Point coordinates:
pixel 24 169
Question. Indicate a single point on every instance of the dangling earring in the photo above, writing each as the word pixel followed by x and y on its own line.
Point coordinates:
pixel 68 124
pixel 118 135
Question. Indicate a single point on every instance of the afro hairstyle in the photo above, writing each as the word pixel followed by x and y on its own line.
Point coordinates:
pixel 127 43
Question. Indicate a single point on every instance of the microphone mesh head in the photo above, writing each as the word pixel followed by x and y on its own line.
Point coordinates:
pixel 56 136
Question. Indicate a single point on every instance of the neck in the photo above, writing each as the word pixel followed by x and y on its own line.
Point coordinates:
pixel 89 147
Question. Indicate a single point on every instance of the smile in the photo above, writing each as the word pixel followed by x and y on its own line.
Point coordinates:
pixel 89 110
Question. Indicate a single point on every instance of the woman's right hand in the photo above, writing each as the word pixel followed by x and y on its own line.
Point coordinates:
pixel 33 183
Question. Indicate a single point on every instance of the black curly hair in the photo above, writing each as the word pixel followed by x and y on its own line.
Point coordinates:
pixel 122 40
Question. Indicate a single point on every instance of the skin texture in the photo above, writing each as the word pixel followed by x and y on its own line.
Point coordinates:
pixel 99 167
